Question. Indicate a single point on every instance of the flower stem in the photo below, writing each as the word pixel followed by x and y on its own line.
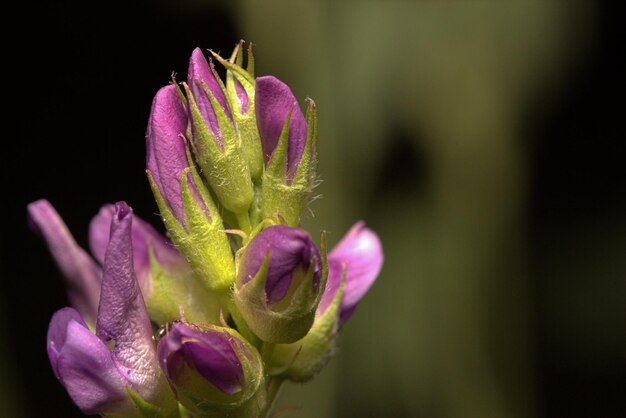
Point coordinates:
pixel 255 209
pixel 266 351
pixel 273 389
pixel 242 326
pixel 243 219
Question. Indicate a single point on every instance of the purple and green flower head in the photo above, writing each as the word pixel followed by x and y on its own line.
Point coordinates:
pixel 243 297
pixel 212 369
pixel 280 281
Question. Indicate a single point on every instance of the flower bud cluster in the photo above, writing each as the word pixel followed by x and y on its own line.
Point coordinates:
pixel 242 297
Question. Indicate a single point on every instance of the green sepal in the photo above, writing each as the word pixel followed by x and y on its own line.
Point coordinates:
pixel 214 212
pixel 148 410
pixel 201 240
pixel 236 58
pixel 235 62
pixel 206 247
pixel 286 195
pixel 181 95
pixel 225 169
pixel 174 227
pixel 277 165
pixel 250 67
pixel 307 168
pixel 303 360
pixel 173 296
pixel 264 224
pixel 245 121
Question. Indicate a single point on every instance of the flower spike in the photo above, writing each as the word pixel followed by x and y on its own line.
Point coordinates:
pixel 236 299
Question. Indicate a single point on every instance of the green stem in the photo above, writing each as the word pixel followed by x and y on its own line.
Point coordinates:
pixel 273 389
pixel 266 351
pixel 241 324
pixel 255 210
pixel 243 219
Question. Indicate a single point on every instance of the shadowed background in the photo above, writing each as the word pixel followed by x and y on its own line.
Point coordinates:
pixel 481 139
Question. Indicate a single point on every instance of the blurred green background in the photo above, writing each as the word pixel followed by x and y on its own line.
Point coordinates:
pixel 480 139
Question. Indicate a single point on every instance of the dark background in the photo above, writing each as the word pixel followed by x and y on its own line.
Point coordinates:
pixel 80 96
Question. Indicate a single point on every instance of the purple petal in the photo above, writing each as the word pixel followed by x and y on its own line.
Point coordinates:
pixel 198 72
pixel 209 352
pixel 57 333
pixel 122 317
pixel 361 252
pixel 144 237
pixel 81 273
pixel 274 100
pixel 166 154
pixel 88 372
pixel 219 366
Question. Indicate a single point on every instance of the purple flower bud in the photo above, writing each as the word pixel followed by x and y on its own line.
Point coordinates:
pixel 211 369
pixel 99 370
pixel 199 76
pixel 190 215
pixel 279 283
pixel 240 86
pixel 289 148
pixel 216 141
pixel 81 273
pixel 361 253
pixel 291 254
pixel 274 101
pixel 166 149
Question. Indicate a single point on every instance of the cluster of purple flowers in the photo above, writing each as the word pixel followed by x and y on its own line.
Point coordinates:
pixel 239 299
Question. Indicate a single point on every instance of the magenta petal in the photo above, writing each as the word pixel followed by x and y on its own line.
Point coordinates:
pixel 122 316
pixel 274 100
pixel 199 72
pixel 144 236
pixel 57 333
pixel 88 372
pixel 361 252
pixel 81 273
pixel 166 154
